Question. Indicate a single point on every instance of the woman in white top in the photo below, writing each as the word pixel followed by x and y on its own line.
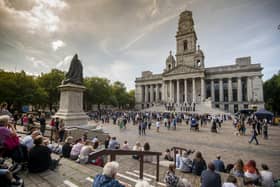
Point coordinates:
pixel 85 151
pixel 137 147
pixel 267 177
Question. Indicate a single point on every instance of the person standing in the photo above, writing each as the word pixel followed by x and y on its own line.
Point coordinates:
pixel 254 136
pixel 42 122
pixel 265 130
pixel 61 131
pixel 158 125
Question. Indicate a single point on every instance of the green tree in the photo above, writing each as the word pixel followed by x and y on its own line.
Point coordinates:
pixel 119 91
pixel 17 88
pixel 131 98
pixel 271 89
pixel 98 91
pixel 49 83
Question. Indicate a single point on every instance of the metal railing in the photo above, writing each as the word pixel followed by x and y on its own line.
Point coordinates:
pixel 113 153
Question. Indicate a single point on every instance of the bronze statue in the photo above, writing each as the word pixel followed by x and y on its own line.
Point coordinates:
pixel 75 72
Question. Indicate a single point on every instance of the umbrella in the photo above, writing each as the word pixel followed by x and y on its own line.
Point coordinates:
pixel 262 113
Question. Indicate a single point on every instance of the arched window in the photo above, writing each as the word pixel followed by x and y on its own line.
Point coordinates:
pixel 185 45
pixel 198 63
pixel 169 66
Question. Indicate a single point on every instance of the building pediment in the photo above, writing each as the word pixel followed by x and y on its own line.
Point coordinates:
pixel 182 69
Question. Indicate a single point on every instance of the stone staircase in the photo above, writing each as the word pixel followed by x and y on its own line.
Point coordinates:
pixel 200 108
pixel 72 174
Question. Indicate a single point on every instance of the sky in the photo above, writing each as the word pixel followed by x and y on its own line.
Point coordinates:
pixel 118 39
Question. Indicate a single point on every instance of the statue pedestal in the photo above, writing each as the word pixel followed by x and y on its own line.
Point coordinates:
pixel 71 105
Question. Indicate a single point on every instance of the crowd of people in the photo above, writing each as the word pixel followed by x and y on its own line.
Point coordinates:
pixel 209 173
pixel 34 150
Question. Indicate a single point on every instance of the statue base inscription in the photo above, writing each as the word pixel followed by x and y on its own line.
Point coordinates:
pixel 71 105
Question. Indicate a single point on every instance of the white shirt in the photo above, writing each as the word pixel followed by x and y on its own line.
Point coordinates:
pixel 157 124
pixel 28 142
pixel 267 178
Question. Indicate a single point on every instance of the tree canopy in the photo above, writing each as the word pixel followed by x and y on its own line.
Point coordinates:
pixel 18 89
pixel 271 89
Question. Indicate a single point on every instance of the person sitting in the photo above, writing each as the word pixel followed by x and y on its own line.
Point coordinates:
pixel 219 164
pixel 39 157
pixel 76 149
pixel 125 146
pixel 231 181
pixel 209 178
pixel 167 155
pixel 113 143
pixel 85 152
pixel 170 178
pixel 199 164
pixel 251 173
pixel 10 144
pixel 66 148
pixel 107 178
pixel 137 147
pixel 29 139
pixel 7 178
pixel 185 162
pixel 237 169
pixel 267 177
pixel 146 148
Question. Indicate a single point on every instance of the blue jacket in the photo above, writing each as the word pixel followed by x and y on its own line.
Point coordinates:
pixel 104 181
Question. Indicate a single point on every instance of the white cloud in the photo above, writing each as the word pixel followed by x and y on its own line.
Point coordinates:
pixel 42 15
pixel 37 63
pixel 57 44
pixel 148 29
pixel 64 64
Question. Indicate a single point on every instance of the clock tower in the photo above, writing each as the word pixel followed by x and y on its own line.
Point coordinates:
pixel 186 40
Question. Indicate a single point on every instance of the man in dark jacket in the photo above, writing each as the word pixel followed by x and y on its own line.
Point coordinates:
pixel 107 179
pixel 39 157
pixel 209 178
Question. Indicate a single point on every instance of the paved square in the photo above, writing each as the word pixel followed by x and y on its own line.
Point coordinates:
pixel 225 143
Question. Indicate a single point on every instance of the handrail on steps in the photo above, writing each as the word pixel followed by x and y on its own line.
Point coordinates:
pixel 141 154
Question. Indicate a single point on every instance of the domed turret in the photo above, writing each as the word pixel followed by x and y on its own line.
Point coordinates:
pixel 170 62
pixel 199 58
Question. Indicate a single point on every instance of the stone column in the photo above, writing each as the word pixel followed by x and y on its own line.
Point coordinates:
pixel 239 89
pixel 249 89
pixel 202 94
pixel 151 93
pixel 229 90
pixel 163 92
pixel 193 90
pixel 178 91
pixel 221 90
pixel 186 89
pixel 212 91
pixel 170 91
pixel 157 93
pixel 146 93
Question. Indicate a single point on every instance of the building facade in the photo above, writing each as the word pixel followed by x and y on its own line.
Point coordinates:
pixel 186 80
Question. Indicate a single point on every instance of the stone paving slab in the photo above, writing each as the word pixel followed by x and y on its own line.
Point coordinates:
pixel 224 143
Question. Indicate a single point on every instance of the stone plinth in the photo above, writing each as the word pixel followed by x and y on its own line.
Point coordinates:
pixel 71 105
